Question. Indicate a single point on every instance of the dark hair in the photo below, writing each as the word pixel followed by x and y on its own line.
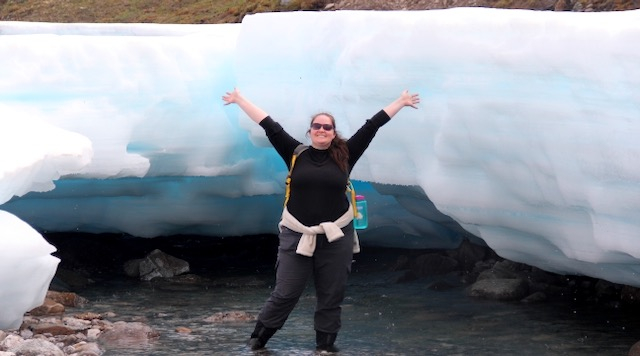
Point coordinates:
pixel 338 149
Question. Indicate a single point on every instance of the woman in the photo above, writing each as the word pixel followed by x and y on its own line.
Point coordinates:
pixel 315 217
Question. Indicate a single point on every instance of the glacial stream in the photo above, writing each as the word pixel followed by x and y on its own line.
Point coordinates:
pixel 380 317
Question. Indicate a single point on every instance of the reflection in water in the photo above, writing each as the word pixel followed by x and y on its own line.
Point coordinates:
pixel 379 318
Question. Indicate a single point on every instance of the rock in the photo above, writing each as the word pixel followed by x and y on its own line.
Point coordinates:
pixel 468 254
pixel 132 268
pixel 562 5
pixel 230 317
pixel 536 297
pixel 402 262
pixel 108 314
pixel 10 341
pixel 88 316
pixel 433 264
pixel 67 299
pixel 500 289
pixel 159 264
pixel 635 349
pixel 93 333
pixel 84 349
pixel 544 277
pixel 77 324
pixel 37 347
pixel 577 7
pixel 504 269
pixel 25 333
pixel 122 334
pixel 49 307
pixel 52 329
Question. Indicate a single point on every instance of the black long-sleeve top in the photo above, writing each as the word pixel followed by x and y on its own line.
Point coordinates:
pixel 317 184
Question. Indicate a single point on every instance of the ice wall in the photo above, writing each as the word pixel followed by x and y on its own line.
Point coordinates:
pixel 525 136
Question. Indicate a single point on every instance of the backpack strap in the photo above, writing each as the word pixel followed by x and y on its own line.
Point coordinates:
pixel 353 198
pixel 287 190
pixel 296 152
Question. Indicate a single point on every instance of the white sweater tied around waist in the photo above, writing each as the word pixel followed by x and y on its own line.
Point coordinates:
pixel 333 230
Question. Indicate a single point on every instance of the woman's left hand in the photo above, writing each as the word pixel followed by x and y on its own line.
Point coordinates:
pixel 409 99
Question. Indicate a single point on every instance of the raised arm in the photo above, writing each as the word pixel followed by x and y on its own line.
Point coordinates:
pixel 255 113
pixel 405 99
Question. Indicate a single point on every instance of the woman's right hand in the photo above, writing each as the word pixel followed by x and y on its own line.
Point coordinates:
pixel 231 97
pixel 255 113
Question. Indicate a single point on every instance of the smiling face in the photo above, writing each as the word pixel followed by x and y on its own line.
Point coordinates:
pixel 324 133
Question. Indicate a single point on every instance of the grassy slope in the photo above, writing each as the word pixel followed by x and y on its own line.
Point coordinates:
pixel 151 11
pixel 226 11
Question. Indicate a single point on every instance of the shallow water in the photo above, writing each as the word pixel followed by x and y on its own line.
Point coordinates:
pixel 379 318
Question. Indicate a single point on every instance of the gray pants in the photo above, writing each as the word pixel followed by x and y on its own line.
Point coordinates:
pixel 330 265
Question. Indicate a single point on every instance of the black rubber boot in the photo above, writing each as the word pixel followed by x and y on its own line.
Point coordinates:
pixel 325 342
pixel 260 336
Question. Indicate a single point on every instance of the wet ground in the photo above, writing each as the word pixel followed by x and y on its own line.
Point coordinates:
pixel 380 317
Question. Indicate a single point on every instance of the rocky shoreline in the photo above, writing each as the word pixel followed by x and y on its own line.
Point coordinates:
pixel 48 330
pixel 544 5
pixel 51 330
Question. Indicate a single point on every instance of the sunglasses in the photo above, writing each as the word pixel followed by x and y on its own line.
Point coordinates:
pixel 317 126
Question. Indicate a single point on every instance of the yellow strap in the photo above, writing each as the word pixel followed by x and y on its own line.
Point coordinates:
pixel 353 198
pixel 287 182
